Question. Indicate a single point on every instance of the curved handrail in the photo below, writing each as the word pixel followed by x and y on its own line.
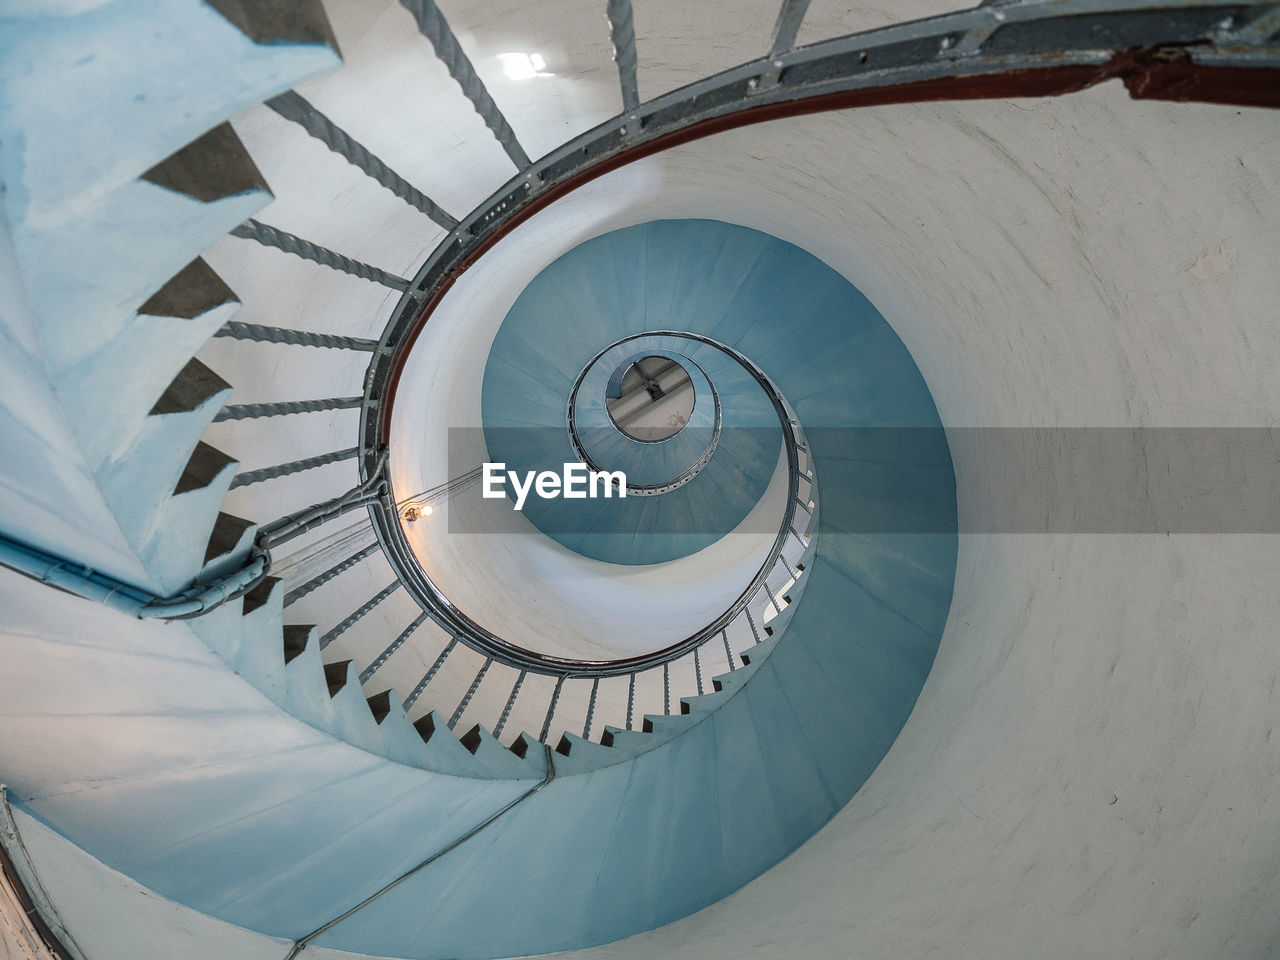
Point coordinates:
pixel 458 624
pixel 644 489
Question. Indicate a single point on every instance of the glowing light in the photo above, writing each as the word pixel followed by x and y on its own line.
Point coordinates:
pixel 415 512
pixel 524 66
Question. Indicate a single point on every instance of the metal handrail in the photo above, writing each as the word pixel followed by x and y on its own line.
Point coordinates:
pixel 644 489
pixel 455 621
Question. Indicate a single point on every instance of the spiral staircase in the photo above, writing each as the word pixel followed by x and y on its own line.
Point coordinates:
pixel 849 672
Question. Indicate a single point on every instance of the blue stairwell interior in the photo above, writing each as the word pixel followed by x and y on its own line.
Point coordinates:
pixel 285 802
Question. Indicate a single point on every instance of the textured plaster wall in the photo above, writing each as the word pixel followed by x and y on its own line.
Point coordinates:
pixel 1091 768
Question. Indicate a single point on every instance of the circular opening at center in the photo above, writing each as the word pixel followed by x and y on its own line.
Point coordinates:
pixel 654 398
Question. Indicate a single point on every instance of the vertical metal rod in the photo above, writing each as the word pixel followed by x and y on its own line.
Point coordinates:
pixel 471 692
pixel 666 689
pixel 261 333
pixel 794 532
pixel 293 106
pixel 787 26
pixel 364 608
pixel 254 411
pixel 435 667
pixel 622 32
pixel 511 702
pixel 555 698
pixel 395 645
pixel 300 592
pixel 803 506
pixel 296 466
pixel 270 236
pixel 728 651
pixel 433 26
pixel 631 700
pixel 790 570
pixel 752 624
pixel 591 709
pixel 697 666
pixel 772 599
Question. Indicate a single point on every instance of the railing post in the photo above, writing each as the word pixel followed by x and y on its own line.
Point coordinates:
pixel 511 702
pixel 395 645
pixel 295 466
pixel 471 692
pixel 270 236
pixel 631 700
pixel 293 106
pixel 591 709
pixel 299 592
pixel 790 570
pixel 551 709
pixel 435 667
pixel 433 26
pixel 772 599
pixel 796 534
pixel 254 411
pixel 355 618
pixel 261 333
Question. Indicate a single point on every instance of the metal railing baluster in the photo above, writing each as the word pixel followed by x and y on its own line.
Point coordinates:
pixel 299 592
pixel 622 33
pixel 790 16
pixel 295 466
pixel 772 599
pixel 631 700
pixel 392 647
pixel 261 333
pixel 254 411
pixel 790 570
pixel 511 702
pixel 666 689
pixel 591 709
pixel 433 26
pixel 551 709
pixel 471 692
pixel 697 667
pixel 293 106
pixel 752 624
pixel 270 236
pixel 429 675
pixel 728 651
pixel 360 611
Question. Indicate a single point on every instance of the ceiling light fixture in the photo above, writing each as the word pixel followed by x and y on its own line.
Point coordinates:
pixel 524 66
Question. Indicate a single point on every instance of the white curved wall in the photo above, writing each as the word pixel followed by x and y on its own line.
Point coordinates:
pixel 1091 768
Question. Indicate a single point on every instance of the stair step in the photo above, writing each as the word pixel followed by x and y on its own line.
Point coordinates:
pixel 663 725
pixel 702 704
pixel 191 516
pixel 493 759
pixel 228 544
pixel 261 595
pixel 335 676
pixel 576 755
pixel 122 253
pixel 379 706
pixel 296 638
pixel 444 752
